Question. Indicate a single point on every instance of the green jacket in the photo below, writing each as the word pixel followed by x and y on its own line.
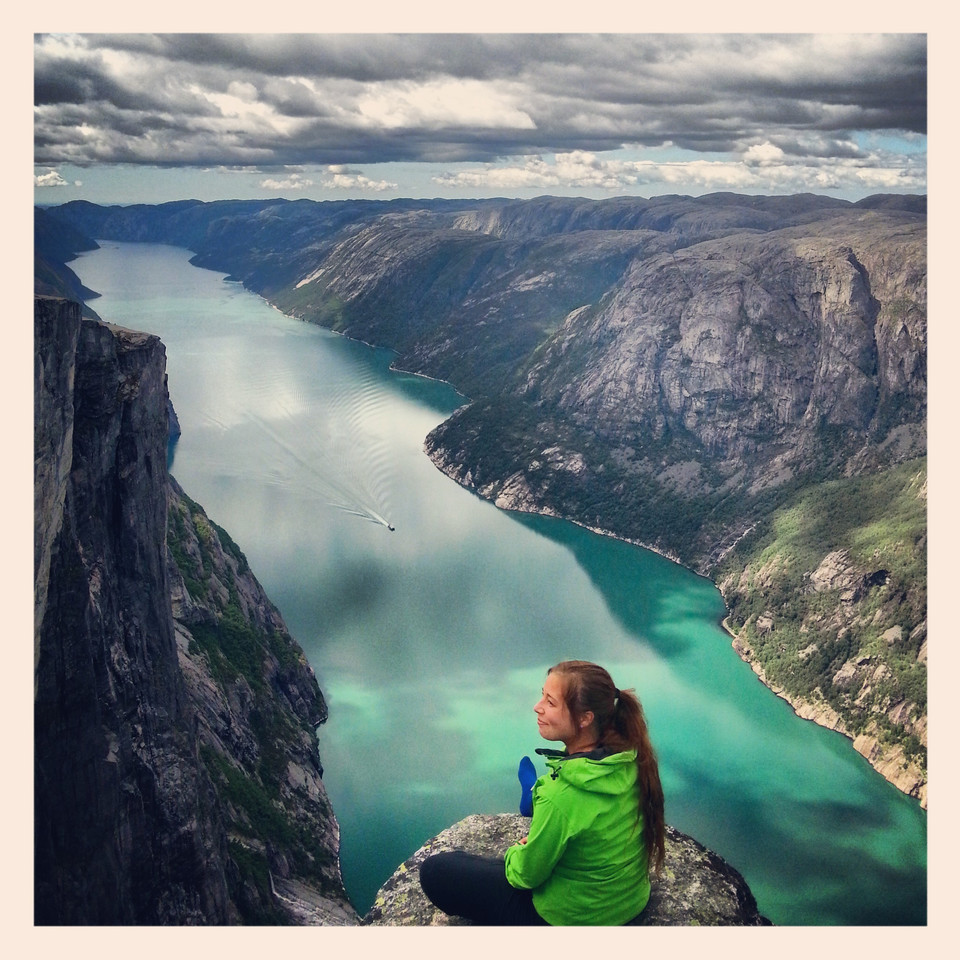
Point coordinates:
pixel 584 859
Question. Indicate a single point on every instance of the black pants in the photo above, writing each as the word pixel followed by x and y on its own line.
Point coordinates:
pixel 475 888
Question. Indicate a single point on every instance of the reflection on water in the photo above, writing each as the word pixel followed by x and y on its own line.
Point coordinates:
pixel 431 642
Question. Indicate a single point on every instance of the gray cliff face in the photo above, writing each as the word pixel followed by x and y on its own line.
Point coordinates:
pixel 457 304
pixel 119 835
pixel 744 350
pixel 134 819
pixel 56 329
pixel 695 888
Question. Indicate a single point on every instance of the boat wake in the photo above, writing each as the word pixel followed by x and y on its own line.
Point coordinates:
pixel 348 473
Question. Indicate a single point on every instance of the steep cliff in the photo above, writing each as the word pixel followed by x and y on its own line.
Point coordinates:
pixel 708 377
pixel 171 785
pixel 257 705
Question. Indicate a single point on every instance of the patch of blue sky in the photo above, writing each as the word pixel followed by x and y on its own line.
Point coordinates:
pixel 891 141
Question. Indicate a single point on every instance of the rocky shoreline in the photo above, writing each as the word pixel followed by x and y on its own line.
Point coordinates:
pixel 511 500
pixel 890 762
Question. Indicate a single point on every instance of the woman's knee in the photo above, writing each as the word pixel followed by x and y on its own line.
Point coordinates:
pixel 455 880
pixel 428 872
pixel 434 874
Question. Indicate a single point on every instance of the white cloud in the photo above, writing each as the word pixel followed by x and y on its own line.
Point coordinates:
pixel 334 177
pixel 53 179
pixel 575 169
pixel 763 154
pixel 765 168
pixel 340 177
pixel 292 182
pixel 442 103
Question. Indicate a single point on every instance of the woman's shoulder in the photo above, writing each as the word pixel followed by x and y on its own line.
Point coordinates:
pixel 608 774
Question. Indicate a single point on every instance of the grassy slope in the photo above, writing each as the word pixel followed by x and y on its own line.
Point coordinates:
pixel 854 641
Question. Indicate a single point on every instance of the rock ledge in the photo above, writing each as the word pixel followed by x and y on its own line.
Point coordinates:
pixel 696 887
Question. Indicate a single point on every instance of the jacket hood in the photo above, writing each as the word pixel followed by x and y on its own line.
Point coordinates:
pixel 596 771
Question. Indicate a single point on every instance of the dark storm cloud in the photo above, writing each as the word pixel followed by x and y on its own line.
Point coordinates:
pixel 334 99
pixel 361 57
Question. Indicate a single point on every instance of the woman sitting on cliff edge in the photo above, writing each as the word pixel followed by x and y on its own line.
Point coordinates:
pixel 597 825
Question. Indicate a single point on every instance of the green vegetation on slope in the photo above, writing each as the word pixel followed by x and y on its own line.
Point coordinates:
pixel 829 593
pixel 239 654
pixel 629 497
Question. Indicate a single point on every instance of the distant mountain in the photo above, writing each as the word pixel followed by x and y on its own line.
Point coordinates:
pixel 737 382
pixel 55 244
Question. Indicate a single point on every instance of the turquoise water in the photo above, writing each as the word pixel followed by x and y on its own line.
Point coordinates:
pixel 431 641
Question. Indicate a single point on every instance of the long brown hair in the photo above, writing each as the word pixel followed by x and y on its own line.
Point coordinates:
pixel 621 725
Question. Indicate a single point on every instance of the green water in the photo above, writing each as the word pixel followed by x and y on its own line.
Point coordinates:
pixel 431 641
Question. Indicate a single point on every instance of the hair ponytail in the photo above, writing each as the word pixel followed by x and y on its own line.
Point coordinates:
pixel 629 724
pixel 621 725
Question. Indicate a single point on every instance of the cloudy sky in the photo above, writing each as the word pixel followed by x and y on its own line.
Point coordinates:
pixel 126 118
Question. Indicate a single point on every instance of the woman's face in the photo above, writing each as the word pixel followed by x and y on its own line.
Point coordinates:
pixel 553 718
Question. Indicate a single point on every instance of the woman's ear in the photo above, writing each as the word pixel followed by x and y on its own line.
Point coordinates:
pixel 586 719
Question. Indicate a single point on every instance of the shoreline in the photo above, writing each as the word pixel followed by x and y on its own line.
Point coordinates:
pixel 887 762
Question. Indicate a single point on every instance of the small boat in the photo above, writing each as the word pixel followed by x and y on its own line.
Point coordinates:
pixel 391 527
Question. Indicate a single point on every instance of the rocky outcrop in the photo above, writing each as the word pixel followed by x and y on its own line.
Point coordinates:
pixel 696 887
pixel 174 761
